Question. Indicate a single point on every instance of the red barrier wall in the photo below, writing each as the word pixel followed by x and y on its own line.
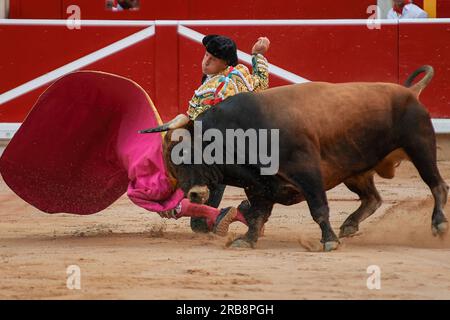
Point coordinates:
pixel 197 9
pixel 26 9
pixel 201 9
pixel 334 53
pixel 37 50
pixel 443 9
pixel 428 44
pixel 167 64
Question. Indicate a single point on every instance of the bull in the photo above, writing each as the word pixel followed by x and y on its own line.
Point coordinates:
pixel 328 134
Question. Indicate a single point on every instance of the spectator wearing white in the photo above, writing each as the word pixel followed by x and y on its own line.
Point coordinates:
pixel 406 9
pixel 4 8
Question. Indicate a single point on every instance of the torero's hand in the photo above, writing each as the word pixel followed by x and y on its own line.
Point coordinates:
pixel 261 46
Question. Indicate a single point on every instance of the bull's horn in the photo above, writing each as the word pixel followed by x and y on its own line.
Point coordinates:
pixel 177 122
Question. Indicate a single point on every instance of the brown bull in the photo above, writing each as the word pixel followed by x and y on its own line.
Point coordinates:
pixel 328 134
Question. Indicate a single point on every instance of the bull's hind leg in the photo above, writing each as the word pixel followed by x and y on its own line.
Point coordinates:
pixel 426 165
pixel 256 216
pixel 439 223
pixel 364 186
pixel 420 145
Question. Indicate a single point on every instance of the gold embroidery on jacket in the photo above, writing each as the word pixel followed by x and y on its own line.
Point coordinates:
pixel 240 80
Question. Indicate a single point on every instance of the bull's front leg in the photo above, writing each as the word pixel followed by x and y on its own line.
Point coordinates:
pixel 256 216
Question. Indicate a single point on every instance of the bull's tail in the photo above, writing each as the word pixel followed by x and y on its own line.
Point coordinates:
pixel 419 86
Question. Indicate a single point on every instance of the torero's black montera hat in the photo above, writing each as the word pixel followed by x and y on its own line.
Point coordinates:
pixel 221 47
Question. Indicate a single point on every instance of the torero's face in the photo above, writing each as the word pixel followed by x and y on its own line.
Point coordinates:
pixel 212 65
pixel 128 4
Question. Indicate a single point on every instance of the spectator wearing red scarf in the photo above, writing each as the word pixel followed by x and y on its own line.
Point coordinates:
pixel 406 9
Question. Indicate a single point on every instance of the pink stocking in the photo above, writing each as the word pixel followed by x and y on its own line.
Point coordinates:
pixel 240 218
pixel 189 209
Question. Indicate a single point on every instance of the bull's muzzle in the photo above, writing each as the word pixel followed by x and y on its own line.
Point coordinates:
pixel 198 194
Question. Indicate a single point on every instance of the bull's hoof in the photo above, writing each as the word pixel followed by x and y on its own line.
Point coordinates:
pixel 242 244
pixel 330 246
pixel 347 231
pixel 440 229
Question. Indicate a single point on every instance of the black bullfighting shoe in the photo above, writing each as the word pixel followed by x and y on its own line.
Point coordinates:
pixel 199 225
pixel 223 221
pixel 244 207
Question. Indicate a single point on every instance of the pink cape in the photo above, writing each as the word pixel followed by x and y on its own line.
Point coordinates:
pixel 79 148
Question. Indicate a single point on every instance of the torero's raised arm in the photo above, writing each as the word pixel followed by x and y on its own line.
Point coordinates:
pixel 260 66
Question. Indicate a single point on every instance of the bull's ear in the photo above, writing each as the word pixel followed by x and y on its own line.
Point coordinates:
pixel 177 122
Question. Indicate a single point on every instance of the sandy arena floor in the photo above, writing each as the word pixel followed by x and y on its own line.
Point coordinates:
pixel 125 252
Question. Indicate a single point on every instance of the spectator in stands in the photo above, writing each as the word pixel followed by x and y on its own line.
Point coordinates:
pixel 4 5
pixel 120 5
pixel 406 9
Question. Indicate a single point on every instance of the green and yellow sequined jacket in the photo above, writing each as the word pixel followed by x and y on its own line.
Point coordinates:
pixel 238 80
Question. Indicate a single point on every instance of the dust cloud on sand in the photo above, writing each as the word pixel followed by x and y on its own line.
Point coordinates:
pixel 125 252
